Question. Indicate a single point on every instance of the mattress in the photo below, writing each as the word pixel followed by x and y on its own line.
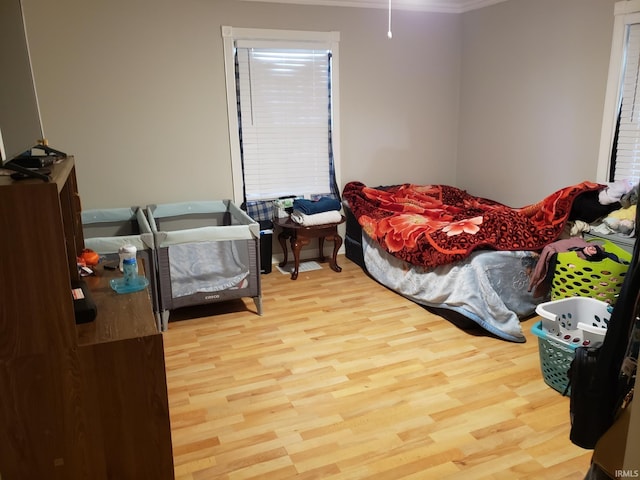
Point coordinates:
pixel 489 288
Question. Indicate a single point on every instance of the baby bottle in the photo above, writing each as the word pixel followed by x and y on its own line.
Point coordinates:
pixel 127 252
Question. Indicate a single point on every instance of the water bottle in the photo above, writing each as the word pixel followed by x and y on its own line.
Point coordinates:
pixel 130 269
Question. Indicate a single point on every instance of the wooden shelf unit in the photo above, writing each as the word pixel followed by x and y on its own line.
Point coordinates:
pixel 78 401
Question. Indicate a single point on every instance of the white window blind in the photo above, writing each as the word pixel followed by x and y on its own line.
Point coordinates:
pixel 284 118
pixel 627 147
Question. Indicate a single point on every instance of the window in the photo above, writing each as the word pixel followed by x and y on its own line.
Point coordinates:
pixel 619 156
pixel 282 106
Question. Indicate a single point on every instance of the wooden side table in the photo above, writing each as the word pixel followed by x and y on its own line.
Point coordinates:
pixel 300 235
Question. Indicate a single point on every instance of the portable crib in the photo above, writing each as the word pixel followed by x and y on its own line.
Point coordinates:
pixel 106 230
pixel 206 252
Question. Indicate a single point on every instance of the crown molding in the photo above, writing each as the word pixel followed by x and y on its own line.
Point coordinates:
pixel 435 6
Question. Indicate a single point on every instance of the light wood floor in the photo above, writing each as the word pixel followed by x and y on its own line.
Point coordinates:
pixel 343 379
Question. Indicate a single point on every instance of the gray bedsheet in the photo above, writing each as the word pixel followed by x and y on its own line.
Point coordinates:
pixel 205 267
pixel 489 287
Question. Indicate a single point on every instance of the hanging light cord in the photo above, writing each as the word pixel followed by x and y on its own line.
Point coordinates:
pixel 389 34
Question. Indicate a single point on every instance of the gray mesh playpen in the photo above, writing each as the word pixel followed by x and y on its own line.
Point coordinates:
pixel 206 251
pixel 106 230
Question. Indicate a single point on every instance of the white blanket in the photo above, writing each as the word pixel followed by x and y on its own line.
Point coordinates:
pixel 322 218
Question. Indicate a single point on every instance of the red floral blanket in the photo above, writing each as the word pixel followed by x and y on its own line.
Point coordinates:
pixel 434 225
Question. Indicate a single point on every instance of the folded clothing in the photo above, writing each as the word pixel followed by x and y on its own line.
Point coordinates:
pixel 322 218
pixel 323 204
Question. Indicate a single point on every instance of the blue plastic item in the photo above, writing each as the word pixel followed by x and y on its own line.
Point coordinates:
pixel 121 285
pixel 130 269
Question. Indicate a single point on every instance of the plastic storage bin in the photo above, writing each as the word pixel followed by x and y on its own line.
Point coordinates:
pixel 574 276
pixel 555 359
pixel 106 230
pixel 567 324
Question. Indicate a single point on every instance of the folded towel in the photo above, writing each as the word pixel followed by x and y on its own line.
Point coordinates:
pixel 309 207
pixel 322 218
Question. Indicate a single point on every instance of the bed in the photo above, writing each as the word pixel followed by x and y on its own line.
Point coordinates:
pixel 463 256
pixel 206 251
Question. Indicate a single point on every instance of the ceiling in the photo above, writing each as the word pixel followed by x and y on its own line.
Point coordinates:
pixel 439 6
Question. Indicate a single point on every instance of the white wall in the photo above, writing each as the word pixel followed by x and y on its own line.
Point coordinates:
pixel 135 90
pixel 534 75
pixel 505 101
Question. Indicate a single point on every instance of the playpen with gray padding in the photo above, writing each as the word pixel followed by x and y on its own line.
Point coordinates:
pixel 206 251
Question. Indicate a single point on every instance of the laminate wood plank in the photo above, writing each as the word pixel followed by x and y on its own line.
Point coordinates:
pixel 341 378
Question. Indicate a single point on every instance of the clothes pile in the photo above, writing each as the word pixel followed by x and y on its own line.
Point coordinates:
pixel 323 211
pixel 612 210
